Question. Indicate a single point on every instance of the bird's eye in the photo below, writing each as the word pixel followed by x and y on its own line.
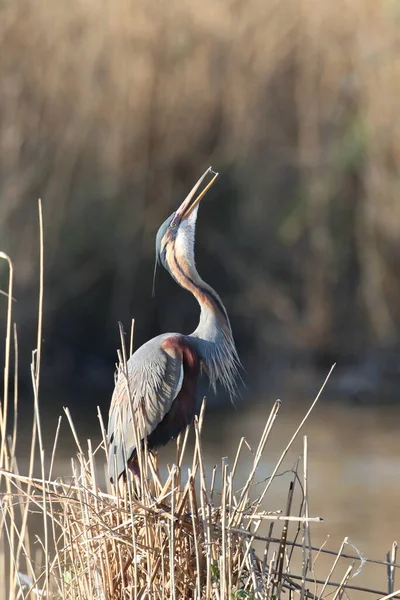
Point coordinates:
pixel 173 224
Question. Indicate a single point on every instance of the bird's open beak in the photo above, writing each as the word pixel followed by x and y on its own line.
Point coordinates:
pixel 191 200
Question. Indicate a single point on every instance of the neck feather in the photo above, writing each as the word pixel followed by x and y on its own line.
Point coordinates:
pixel 213 336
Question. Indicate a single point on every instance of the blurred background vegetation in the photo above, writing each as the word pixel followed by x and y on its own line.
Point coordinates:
pixel 109 111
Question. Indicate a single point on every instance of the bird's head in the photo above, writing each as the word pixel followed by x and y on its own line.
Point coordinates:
pixel 177 232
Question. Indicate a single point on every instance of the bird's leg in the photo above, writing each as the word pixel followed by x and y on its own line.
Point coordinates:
pixel 134 468
pixel 122 486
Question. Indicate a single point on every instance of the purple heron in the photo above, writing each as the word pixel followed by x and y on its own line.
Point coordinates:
pixel 161 377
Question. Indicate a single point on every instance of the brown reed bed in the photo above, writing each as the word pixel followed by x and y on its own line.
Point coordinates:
pixel 294 101
pixel 184 532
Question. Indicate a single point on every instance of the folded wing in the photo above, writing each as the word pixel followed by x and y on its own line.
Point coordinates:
pixel 141 399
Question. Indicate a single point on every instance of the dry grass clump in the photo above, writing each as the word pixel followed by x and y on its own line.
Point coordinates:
pixel 184 537
pixel 183 533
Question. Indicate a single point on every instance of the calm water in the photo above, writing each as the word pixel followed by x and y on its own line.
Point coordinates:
pixel 354 473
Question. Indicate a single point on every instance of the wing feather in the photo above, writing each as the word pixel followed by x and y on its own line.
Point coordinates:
pixel 141 399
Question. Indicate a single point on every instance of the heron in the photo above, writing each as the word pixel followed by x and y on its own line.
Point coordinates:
pixel 155 395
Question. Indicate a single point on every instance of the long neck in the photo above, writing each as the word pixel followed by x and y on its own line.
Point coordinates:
pixel 213 336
